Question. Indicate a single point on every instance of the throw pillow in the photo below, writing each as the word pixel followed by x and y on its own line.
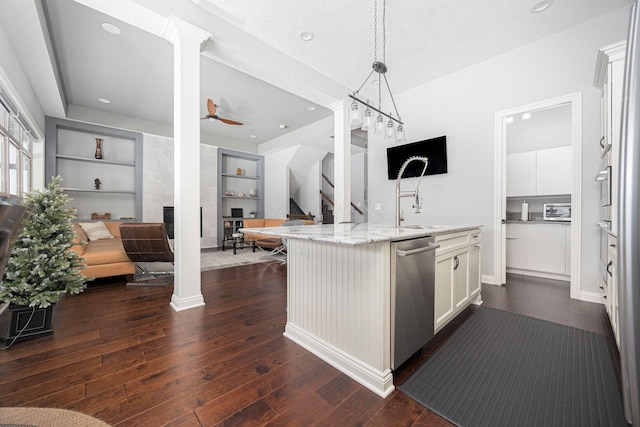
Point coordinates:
pixel 96 230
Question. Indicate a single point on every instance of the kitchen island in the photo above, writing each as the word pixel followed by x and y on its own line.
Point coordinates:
pixel 341 294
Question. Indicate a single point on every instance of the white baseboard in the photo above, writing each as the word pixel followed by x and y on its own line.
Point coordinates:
pixel 381 383
pixel 490 280
pixel 541 274
pixel 591 297
pixel 186 303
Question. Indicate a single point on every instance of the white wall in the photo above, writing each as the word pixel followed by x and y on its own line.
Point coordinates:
pixel 462 106
pixel 157 184
pixel 549 128
pixel 14 82
pixel 276 182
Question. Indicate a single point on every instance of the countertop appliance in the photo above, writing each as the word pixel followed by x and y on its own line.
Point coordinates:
pixel 628 225
pixel 413 269
pixel 556 212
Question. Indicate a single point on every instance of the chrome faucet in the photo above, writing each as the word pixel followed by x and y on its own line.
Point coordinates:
pixel 417 203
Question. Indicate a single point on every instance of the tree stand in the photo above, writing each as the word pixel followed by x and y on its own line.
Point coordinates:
pixel 38 326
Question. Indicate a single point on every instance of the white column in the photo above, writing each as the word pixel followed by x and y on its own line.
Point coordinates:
pixel 186 40
pixel 342 161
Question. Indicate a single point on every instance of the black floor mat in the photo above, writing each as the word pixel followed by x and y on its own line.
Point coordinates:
pixel 504 369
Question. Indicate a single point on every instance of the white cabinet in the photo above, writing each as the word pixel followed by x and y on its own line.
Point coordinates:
pixel 521 174
pixel 457 275
pixel 517 246
pixel 542 250
pixel 546 248
pixel 539 173
pixel 612 286
pixel 553 171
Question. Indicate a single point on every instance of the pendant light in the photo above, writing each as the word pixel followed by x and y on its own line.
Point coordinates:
pixel 394 126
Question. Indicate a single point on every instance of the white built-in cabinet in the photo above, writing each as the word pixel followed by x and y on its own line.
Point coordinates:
pixel 458 277
pixel 539 173
pixel 542 250
pixel 609 77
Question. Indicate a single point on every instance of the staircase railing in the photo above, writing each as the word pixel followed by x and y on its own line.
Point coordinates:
pixel 328 199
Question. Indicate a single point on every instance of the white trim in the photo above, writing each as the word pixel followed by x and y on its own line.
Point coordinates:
pixel 543 274
pixel 490 280
pixel 591 297
pixel 575 99
pixel 180 304
pixel 379 382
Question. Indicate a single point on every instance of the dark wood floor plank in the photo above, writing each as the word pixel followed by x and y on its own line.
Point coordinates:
pixel 122 354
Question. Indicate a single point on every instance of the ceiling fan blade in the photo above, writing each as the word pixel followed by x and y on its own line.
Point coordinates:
pixel 211 107
pixel 230 122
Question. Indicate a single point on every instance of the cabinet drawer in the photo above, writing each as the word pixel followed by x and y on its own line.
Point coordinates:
pixel 453 241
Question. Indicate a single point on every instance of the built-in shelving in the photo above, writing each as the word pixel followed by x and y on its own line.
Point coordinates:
pixel 249 180
pixel 70 152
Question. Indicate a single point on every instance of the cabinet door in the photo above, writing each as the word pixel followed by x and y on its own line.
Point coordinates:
pixel 546 248
pixel 443 293
pixel 461 278
pixel 553 171
pixel 475 275
pixel 521 174
pixel 516 246
pixel 567 249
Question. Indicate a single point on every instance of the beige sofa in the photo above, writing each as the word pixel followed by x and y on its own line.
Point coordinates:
pixel 105 257
pixel 265 240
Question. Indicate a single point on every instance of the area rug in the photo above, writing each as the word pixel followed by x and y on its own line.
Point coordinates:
pixel 504 369
pixel 50 417
pixel 214 259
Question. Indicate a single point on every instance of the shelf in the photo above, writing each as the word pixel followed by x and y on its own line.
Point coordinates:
pixel 241 198
pixel 86 159
pixel 230 175
pixel 84 190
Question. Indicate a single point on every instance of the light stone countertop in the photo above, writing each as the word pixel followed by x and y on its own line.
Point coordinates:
pixel 358 234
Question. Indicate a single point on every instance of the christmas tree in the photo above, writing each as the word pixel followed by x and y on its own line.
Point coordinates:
pixel 41 266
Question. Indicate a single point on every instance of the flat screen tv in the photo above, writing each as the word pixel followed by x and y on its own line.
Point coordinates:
pixel 435 149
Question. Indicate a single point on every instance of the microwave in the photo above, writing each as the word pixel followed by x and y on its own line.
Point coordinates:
pixel 557 212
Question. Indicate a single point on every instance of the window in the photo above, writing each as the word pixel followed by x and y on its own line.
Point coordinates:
pixel 16 164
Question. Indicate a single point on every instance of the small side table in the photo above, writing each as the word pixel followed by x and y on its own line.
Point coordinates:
pixel 238 241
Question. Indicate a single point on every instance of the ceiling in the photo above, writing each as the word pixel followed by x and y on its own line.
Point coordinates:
pixel 256 67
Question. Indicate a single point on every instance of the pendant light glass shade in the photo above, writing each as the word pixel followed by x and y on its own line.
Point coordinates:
pixel 354 114
pixel 367 119
pixel 400 135
pixel 390 130
pixel 379 128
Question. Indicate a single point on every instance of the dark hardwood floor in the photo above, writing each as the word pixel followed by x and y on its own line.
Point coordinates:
pixel 123 355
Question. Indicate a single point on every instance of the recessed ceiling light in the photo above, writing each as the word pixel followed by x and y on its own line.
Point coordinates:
pixel 526 116
pixel 509 119
pixel 252 136
pixel 110 28
pixel 104 100
pixel 311 108
pixel 283 126
pixel 541 6
pixel 307 36
pixel 375 82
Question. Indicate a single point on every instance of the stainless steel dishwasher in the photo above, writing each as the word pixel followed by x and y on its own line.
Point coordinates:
pixel 413 265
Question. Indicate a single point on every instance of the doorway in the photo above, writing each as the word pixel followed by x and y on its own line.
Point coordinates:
pixel 502 120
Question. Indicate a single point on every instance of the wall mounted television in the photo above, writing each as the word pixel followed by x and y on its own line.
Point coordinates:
pixel 435 149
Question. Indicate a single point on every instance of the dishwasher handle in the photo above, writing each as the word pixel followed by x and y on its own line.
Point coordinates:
pixel 410 252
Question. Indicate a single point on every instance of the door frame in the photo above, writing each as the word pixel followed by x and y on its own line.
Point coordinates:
pixel 500 187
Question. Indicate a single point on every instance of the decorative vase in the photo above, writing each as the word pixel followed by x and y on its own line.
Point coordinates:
pixel 98 148
pixel 252 192
pixel 36 323
pixel 238 171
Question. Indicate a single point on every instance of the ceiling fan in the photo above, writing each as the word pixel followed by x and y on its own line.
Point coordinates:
pixel 212 109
